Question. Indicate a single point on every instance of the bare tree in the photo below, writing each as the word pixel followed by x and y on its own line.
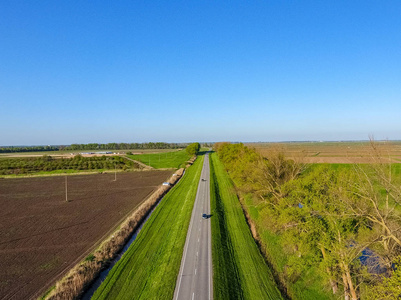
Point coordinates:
pixel 374 195
pixel 274 170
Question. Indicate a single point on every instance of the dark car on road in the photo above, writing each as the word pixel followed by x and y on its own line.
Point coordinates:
pixel 204 216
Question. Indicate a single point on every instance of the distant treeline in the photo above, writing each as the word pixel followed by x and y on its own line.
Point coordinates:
pixel 12 149
pixel 94 146
pixel 30 165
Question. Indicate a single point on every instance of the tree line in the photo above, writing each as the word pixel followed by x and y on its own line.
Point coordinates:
pixel 30 165
pixel 12 149
pixel 124 146
pixel 193 149
pixel 94 146
pixel 344 222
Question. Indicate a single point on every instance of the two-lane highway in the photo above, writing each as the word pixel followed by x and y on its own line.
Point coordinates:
pixel 195 280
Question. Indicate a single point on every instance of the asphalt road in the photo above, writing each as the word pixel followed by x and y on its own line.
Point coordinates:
pixel 195 280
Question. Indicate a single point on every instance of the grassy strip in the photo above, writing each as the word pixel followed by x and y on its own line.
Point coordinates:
pixel 149 269
pixel 239 270
pixel 226 283
pixel 175 159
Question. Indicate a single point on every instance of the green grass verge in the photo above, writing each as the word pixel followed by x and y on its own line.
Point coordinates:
pixel 175 159
pixel 239 270
pixel 47 293
pixel 149 269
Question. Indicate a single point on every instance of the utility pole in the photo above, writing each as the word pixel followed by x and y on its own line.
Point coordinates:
pixel 115 172
pixel 66 189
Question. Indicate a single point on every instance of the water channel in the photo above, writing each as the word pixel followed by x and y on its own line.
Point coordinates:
pixel 103 274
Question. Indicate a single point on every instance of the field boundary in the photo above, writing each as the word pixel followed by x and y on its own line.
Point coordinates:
pixel 86 172
pixel 174 159
pixel 84 271
pixel 137 162
pixel 281 285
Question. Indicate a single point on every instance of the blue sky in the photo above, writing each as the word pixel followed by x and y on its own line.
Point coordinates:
pixel 178 71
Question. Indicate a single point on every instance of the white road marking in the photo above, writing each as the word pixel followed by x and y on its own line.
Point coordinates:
pixel 203 192
pixel 185 255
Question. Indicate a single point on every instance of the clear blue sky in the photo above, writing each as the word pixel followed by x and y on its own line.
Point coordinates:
pixel 176 71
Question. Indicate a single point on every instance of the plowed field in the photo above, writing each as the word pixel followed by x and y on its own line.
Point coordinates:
pixel 42 235
pixel 333 152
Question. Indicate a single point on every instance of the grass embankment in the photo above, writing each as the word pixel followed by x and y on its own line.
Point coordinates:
pixel 149 269
pixel 239 270
pixel 175 159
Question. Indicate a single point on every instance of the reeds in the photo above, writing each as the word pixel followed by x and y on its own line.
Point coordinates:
pixel 190 162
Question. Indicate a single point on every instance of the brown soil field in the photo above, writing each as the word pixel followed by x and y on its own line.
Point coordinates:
pixel 333 152
pixel 42 235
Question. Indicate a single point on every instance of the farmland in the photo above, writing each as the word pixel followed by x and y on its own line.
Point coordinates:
pixel 332 152
pixel 174 159
pixel 238 267
pixel 23 166
pixel 42 235
pixel 149 269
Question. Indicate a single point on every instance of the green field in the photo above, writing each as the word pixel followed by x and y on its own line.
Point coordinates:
pixel 175 159
pixel 149 269
pixel 239 270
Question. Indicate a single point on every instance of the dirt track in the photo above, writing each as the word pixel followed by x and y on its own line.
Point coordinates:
pixel 138 162
pixel 41 234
